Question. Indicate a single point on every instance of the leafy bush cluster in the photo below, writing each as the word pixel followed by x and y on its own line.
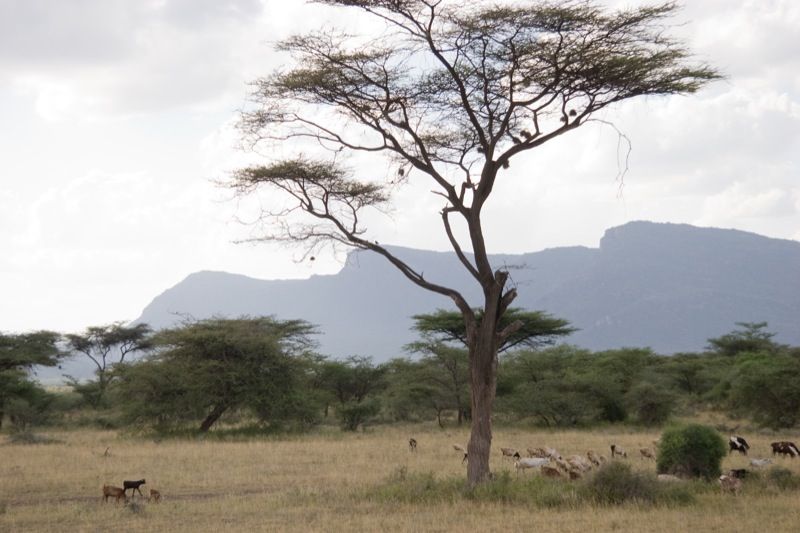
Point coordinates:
pixel 613 484
pixel 264 373
pixel 691 451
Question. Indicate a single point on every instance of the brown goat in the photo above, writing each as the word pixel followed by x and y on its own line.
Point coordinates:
pixel 115 492
pixel 155 496
pixel 647 453
pixel 730 484
pixel 550 471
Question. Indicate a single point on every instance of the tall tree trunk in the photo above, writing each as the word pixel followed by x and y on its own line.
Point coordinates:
pixel 212 417
pixel 483 375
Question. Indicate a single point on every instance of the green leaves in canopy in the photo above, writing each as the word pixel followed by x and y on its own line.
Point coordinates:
pixel 538 328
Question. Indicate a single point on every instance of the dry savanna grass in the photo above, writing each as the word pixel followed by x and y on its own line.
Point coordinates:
pixel 330 481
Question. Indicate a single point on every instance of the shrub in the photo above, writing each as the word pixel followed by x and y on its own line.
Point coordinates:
pixel 617 483
pixel 783 478
pixel 694 450
pixel 652 404
pixel 26 437
pixel 354 414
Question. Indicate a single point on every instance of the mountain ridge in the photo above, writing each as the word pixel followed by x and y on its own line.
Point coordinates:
pixel 667 286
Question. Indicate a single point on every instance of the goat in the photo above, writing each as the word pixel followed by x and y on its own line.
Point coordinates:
pixel 537 452
pixel 562 464
pixel 738 444
pixel 114 492
pixel 510 452
pixel 459 448
pixel 760 462
pixel 574 474
pixel 551 452
pixel 647 453
pixel 618 450
pixel 730 484
pixel 530 462
pixel 578 462
pixel 738 473
pixel 412 444
pixel 785 448
pixel 155 496
pixel 593 457
pixel 550 471
pixel 134 486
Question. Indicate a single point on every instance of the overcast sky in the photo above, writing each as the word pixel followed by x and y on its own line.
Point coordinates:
pixel 116 117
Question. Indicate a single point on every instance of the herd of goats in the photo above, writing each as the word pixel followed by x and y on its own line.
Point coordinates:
pixel 575 466
pixel 121 493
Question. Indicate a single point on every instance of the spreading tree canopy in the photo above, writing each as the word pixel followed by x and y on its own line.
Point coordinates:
pixel 450 93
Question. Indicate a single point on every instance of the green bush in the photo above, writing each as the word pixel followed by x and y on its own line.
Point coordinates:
pixel 694 450
pixel 783 478
pixel 652 404
pixel 354 414
pixel 617 483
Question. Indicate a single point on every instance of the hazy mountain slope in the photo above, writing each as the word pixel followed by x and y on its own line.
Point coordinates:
pixel 667 286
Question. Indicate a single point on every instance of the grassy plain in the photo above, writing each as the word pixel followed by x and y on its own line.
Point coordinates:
pixel 331 481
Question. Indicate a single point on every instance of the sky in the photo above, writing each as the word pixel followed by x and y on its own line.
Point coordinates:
pixel 118 120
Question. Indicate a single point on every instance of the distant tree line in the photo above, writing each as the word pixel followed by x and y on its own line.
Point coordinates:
pixel 265 373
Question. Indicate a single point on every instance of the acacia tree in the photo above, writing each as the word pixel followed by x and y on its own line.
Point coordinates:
pixel 18 354
pixel 451 93
pixel 106 346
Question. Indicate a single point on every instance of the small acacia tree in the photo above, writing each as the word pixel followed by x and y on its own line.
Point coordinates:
pixel 451 93
pixel 106 346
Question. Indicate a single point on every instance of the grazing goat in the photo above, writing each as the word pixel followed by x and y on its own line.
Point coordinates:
pixel 549 471
pixel 738 473
pixel 510 452
pixel 593 457
pixel 562 464
pixel 647 453
pixel 155 496
pixel 574 474
pixel 578 462
pixel 134 486
pixel 412 444
pixel 459 448
pixel 785 448
pixel 530 462
pixel 537 452
pixel 114 492
pixel 618 450
pixel 738 444
pixel 551 452
pixel 760 462
pixel 730 484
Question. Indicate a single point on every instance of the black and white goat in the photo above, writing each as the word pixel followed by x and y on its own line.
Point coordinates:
pixel 738 444
pixel 785 448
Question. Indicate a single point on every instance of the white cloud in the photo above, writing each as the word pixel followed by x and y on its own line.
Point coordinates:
pixel 120 112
